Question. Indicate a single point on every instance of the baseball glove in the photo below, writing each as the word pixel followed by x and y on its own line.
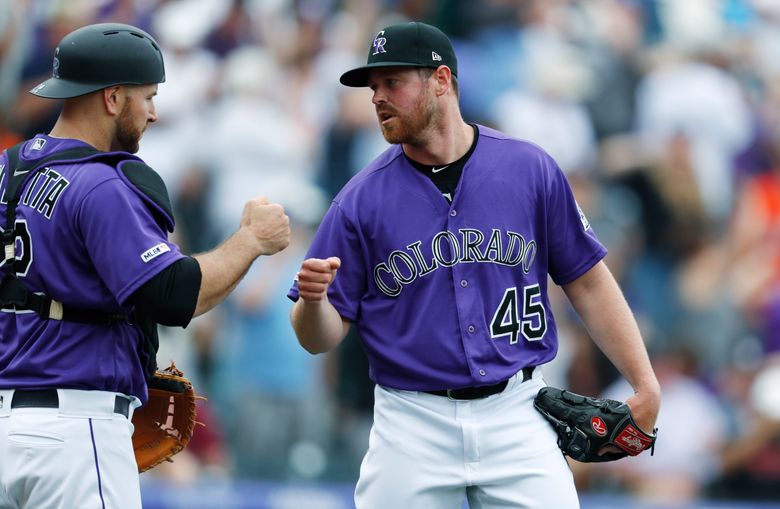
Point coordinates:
pixel 164 425
pixel 584 425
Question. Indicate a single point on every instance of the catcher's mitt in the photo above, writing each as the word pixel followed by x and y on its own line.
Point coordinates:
pixel 584 425
pixel 164 425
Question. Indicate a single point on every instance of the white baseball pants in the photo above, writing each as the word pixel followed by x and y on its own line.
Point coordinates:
pixel 429 452
pixel 79 455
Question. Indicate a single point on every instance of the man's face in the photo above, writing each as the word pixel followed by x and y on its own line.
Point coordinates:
pixel 137 112
pixel 405 104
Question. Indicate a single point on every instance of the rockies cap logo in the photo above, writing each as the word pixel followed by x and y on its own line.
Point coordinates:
pixel 379 43
pixel 55 72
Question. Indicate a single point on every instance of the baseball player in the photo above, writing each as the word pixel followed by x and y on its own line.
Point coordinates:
pixel 89 272
pixel 439 252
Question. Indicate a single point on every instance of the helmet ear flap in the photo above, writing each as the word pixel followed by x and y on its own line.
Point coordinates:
pixel 102 55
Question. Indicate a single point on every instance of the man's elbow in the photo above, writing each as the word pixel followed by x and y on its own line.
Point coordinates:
pixel 314 347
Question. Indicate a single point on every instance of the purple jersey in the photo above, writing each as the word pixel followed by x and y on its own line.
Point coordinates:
pixel 92 243
pixel 455 295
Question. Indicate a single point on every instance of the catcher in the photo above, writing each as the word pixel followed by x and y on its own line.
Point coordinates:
pixel 87 275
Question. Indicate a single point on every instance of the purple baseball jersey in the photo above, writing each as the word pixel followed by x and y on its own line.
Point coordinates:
pixel 91 243
pixel 454 295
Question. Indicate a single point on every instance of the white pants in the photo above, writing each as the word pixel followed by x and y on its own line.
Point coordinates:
pixel 429 452
pixel 79 455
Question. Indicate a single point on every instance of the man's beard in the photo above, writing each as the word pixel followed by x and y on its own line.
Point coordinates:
pixel 414 128
pixel 128 136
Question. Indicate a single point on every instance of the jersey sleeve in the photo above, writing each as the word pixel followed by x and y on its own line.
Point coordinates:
pixel 125 243
pixel 573 246
pixel 338 236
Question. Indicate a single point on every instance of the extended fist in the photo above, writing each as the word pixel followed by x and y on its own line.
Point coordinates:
pixel 268 224
pixel 315 277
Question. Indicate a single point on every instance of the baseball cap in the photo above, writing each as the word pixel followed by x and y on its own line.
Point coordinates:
pixel 412 44
pixel 99 56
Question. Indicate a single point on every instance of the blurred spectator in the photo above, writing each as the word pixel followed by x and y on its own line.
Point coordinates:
pixel 692 433
pixel 751 461
pixel 686 96
pixel 272 389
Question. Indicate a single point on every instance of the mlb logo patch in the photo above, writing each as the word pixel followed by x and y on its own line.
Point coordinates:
pixel 38 144
pixel 154 252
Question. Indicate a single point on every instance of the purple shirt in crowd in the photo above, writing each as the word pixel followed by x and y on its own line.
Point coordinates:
pixel 93 243
pixel 455 295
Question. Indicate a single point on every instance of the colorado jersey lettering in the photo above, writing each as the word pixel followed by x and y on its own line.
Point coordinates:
pixel 479 265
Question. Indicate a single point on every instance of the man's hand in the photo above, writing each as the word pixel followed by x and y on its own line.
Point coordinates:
pixel 267 223
pixel 644 407
pixel 315 276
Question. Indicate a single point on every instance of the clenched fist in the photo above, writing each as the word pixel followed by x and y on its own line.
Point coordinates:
pixel 315 277
pixel 268 224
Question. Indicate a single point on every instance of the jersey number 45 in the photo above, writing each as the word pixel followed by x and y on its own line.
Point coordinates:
pixel 509 321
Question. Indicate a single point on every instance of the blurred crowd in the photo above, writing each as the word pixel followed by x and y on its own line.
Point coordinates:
pixel 664 114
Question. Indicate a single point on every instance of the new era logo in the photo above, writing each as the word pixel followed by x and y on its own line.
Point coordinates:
pixel 435 56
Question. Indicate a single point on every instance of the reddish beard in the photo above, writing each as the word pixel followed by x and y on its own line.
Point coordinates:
pixel 128 135
pixel 414 127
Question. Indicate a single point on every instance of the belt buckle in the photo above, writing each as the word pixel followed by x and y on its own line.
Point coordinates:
pixel 453 398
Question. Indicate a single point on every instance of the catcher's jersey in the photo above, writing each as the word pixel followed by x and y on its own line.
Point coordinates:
pixel 454 295
pixel 84 238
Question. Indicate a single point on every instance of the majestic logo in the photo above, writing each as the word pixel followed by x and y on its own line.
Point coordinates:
pixel 55 66
pixel 379 43
pixel 598 425
pixel 154 252
pixel 38 144
pixel 435 56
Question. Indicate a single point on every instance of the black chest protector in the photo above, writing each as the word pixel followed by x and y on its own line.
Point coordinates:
pixel 139 177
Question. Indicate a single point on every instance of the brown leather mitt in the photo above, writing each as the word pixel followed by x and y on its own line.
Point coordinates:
pixel 164 425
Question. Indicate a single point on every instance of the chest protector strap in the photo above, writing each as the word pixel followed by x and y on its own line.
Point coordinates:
pixel 139 177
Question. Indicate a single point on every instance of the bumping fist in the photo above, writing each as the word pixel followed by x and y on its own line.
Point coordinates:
pixel 315 277
pixel 268 223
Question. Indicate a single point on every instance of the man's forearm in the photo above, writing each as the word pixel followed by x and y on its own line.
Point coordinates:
pixel 318 325
pixel 598 300
pixel 222 269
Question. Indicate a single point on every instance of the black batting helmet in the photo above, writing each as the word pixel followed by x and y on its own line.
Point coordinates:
pixel 99 56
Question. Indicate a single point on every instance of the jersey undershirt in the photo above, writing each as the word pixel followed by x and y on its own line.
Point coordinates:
pixel 446 177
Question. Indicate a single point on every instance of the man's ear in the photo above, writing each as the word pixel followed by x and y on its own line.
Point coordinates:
pixel 114 100
pixel 443 77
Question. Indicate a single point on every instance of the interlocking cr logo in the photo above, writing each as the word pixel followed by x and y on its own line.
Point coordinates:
pixel 56 64
pixel 379 43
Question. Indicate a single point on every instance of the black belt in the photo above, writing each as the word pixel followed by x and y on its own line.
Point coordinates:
pixel 47 398
pixel 482 391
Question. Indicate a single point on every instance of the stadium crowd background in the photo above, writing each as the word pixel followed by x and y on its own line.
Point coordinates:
pixel 664 114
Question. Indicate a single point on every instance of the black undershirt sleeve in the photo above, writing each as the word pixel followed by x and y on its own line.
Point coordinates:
pixel 170 297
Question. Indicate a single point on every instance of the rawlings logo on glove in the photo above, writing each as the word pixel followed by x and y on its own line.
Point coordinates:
pixel 585 425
